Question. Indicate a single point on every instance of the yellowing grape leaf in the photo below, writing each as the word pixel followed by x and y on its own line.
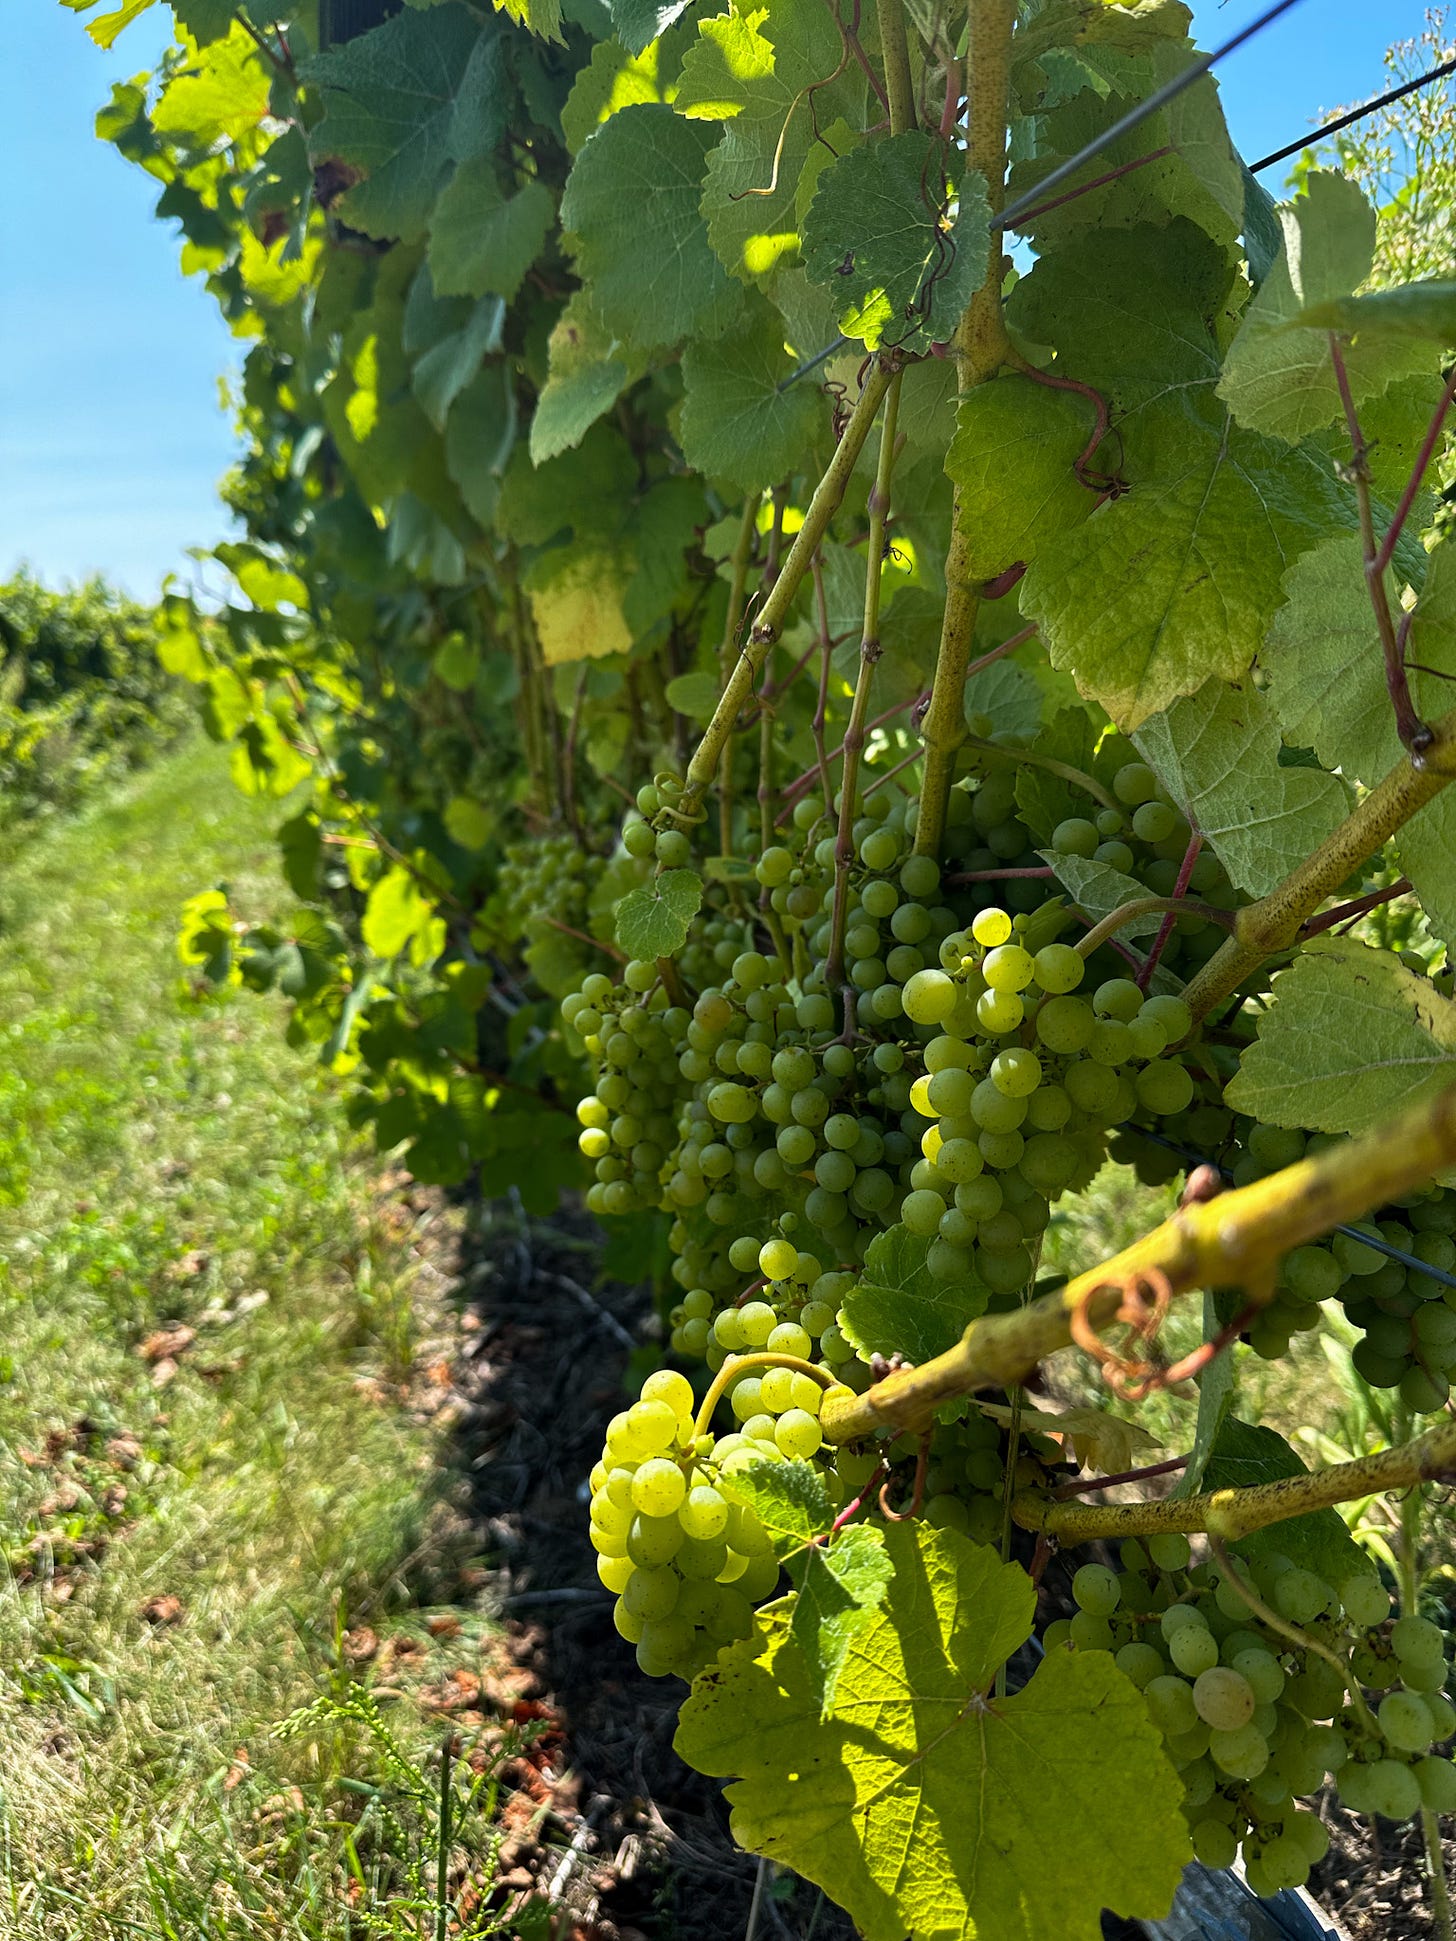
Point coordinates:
pixel 1350 1037
pixel 924 1805
pixel 576 602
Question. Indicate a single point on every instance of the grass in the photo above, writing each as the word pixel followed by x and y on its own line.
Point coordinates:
pixel 182 1557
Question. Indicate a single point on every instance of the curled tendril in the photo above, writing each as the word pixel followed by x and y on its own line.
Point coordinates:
pixel 1147 1295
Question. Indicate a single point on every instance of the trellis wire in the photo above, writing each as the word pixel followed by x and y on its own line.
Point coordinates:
pixel 1317 135
pixel 1378 1242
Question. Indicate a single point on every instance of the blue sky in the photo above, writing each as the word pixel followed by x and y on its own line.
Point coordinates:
pixel 112 437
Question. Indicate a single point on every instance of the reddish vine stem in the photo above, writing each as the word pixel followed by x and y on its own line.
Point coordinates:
pixel 852 1510
pixel 1105 482
pixel 917 1494
pixel 1356 908
pixel 1165 930
pixel 1418 472
pixel 1081 1485
pixel 608 950
pixel 1098 182
pixel 1414 733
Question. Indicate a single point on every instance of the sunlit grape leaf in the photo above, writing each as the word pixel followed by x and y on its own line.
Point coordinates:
pixel 1326 682
pixel 838 1588
pixel 1247 1454
pixel 652 920
pixel 1097 1440
pixel 1281 380
pixel 399 914
pixel 771 77
pixel 390 109
pixel 1022 1817
pixel 588 370
pixel 1350 1037
pixel 631 212
pixel 737 425
pixel 788 1498
pixel 880 235
pixel 1012 458
pixel 1098 889
pixel 899 1307
pixel 1217 753
pixel 482 242
pixel 219 90
pixel 576 595
pixel 1173 580
pixel 105 28
pixel 540 17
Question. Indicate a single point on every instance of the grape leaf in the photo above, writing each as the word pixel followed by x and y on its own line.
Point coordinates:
pixel 577 595
pixel 1098 1440
pixel 1098 889
pixel 479 437
pixel 1006 694
pixel 899 1307
pixel 390 109
pixel 1012 461
pixel 1217 752
pixel 753 70
pixel 481 242
pixel 1173 580
pixel 638 22
pixel 540 17
pixel 449 366
pixel 1246 1454
pixel 1278 376
pixel 918 1747
pixel 1422 313
pixel 587 371
pixel 217 92
pixel 1044 799
pixel 838 1588
pixel 399 914
pixel 788 1498
pixel 631 209
pixel 652 921
pixel 1350 1037
pixel 107 27
pixel 695 695
pixel 737 425
pixel 878 234
pixel 1326 682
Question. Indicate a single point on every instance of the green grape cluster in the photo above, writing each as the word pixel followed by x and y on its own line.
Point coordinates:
pixel 544 877
pixel 959 1079
pixel 686 1562
pixel 1254 1721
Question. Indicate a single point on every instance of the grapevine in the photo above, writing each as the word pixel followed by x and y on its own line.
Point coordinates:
pixel 817 742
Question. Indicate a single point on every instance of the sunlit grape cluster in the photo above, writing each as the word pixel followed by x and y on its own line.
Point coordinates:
pixel 686 1562
pixel 1254 1720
